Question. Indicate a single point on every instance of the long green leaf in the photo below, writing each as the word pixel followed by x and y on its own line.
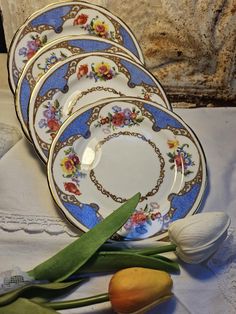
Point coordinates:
pixel 35 288
pixel 113 261
pixel 75 255
pixel 24 306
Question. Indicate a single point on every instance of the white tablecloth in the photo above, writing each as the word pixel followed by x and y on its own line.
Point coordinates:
pixel 32 228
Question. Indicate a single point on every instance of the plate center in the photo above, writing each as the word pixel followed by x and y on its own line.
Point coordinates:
pixel 128 163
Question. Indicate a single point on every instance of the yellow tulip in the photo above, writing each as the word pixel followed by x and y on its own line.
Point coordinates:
pixel 137 289
pixel 133 290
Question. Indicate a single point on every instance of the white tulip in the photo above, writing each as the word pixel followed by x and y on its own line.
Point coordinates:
pixel 197 237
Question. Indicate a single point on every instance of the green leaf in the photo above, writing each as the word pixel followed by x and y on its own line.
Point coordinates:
pixel 139 119
pixel 44 39
pixel 56 103
pixel 75 255
pixel 115 260
pixel 187 172
pixel 68 176
pixel 38 300
pixel 63 55
pixel 35 289
pixel 24 306
pixel 67 151
pixel 184 145
pixel 112 34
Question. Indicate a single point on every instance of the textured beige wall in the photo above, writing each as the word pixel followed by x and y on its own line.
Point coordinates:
pixel 188 45
pixel 3 72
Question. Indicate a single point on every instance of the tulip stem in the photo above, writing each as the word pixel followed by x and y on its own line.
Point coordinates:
pixel 160 249
pixel 62 305
pixel 152 250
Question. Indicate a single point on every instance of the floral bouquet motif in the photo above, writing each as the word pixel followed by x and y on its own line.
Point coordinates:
pixel 71 167
pixel 33 46
pixel 121 117
pixel 140 218
pixel 94 27
pixel 52 118
pixel 181 159
pixel 101 71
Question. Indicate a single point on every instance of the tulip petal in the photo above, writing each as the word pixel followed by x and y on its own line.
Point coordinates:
pixel 133 289
pixel 197 237
pixel 200 254
pixel 151 305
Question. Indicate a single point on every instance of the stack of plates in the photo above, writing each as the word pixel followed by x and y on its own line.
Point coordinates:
pixel 102 122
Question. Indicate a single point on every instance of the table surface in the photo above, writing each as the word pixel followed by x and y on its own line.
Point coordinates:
pixel 32 228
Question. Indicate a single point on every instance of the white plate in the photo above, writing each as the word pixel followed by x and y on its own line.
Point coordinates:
pixel 48 56
pixel 80 80
pixel 61 19
pixel 106 152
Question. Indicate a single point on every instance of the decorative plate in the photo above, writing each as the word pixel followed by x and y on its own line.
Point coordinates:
pixel 106 152
pixel 80 80
pixel 48 56
pixel 61 19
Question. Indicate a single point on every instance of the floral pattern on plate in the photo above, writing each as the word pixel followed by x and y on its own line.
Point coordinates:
pixel 32 47
pixel 71 168
pixel 179 157
pixel 102 71
pixel 121 117
pixel 96 26
pixel 141 218
pixel 50 61
pixel 52 118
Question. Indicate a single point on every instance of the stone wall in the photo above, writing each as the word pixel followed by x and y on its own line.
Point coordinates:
pixel 189 45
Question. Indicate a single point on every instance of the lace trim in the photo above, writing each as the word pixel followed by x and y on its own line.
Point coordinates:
pixel 223 265
pixel 34 224
pixel 13 279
